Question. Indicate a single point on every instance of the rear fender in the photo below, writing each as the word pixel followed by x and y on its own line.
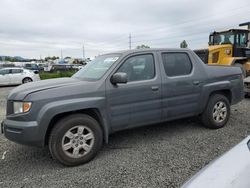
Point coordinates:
pixel 211 88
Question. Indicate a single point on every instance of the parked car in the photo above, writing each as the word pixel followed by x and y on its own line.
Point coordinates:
pixel 32 66
pixel 78 66
pixel 247 86
pixel 6 65
pixel 117 91
pixel 231 170
pixel 63 68
pixel 16 76
pixel 41 66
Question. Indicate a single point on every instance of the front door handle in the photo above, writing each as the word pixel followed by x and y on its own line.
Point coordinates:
pixel 155 88
pixel 196 82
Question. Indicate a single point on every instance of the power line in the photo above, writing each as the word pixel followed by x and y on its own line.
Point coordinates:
pixel 200 19
pixel 121 42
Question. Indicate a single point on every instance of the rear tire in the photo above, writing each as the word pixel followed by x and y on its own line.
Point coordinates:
pixel 75 139
pixel 27 80
pixel 217 112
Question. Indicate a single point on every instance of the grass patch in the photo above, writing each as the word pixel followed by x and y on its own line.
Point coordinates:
pixel 48 75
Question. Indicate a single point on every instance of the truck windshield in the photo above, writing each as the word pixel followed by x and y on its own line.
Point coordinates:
pixel 95 69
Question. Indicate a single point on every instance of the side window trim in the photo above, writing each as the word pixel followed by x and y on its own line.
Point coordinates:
pixel 182 75
pixel 135 55
pixel 12 71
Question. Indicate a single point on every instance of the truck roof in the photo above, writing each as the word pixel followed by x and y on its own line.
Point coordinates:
pixel 124 52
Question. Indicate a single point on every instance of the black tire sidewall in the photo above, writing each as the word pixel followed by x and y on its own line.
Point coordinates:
pixel 207 116
pixel 62 127
pixel 30 80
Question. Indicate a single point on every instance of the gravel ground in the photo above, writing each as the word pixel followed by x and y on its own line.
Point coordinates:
pixel 162 155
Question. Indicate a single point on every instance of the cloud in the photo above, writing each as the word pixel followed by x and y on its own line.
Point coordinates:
pixel 32 28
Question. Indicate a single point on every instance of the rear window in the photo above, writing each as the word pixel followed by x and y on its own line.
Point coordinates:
pixel 15 71
pixel 176 64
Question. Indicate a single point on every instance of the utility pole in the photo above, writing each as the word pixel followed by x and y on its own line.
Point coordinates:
pixel 61 54
pixel 83 52
pixel 129 40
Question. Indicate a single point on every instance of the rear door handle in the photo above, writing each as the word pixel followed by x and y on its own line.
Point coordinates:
pixel 155 88
pixel 196 82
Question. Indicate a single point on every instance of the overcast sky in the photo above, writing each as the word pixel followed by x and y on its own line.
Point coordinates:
pixel 31 28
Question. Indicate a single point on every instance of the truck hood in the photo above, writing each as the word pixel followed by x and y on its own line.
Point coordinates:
pixel 20 92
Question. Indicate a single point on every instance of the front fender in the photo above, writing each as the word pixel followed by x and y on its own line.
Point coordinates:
pixel 52 109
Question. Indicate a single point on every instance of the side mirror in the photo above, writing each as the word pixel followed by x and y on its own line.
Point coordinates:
pixel 36 72
pixel 119 78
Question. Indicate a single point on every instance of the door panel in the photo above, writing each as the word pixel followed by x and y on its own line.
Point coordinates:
pixel 180 98
pixel 180 86
pixel 137 102
pixel 16 76
pixel 5 77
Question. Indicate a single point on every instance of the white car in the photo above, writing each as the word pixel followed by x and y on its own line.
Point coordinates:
pixel 16 76
pixel 230 170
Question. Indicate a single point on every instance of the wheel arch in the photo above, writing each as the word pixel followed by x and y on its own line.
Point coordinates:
pixel 226 92
pixel 26 78
pixel 92 112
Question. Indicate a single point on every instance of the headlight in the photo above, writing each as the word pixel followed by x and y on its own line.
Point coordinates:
pixel 21 107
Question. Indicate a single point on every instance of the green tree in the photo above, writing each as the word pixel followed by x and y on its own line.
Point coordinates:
pixel 51 58
pixel 142 46
pixel 54 58
pixel 183 44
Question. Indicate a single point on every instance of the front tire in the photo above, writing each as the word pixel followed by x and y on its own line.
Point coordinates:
pixel 75 139
pixel 217 112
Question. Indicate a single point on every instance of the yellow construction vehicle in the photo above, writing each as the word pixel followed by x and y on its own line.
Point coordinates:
pixel 230 47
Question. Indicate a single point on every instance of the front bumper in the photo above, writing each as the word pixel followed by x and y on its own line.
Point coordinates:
pixel 26 133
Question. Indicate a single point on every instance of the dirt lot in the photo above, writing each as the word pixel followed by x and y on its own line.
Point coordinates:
pixel 162 155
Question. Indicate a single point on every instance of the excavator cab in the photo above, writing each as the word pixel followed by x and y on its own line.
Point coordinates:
pixel 228 48
pixel 238 38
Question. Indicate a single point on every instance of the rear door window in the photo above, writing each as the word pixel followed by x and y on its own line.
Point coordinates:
pixel 16 71
pixel 176 63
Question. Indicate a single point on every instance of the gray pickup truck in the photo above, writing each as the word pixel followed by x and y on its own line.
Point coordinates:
pixel 117 91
